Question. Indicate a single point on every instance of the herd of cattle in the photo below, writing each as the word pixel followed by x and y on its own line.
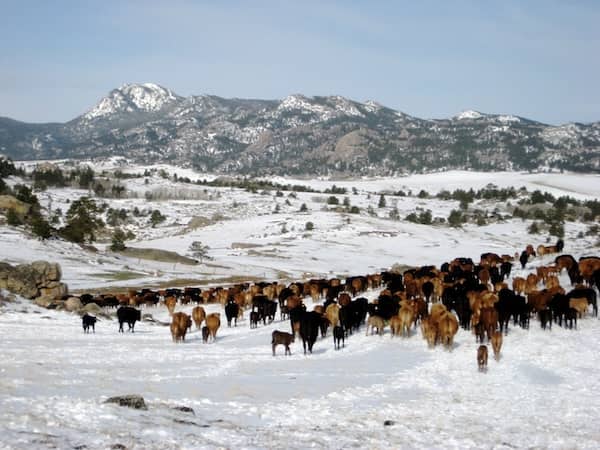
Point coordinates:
pixel 461 293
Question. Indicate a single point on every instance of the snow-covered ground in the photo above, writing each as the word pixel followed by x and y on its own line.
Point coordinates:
pixel 54 379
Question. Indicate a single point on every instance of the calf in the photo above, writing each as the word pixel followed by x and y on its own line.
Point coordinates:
pixel 338 335
pixel 283 338
pixel 254 318
pixel 205 334
pixel 482 358
pixel 375 323
pixel 88 321
pixel 496 344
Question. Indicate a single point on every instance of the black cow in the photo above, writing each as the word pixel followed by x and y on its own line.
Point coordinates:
pixel 110 301
pixel 231 312
pixel 309 329
pixel 427 289
pixel 323 325
pixel 545 316
pixel 254 318
pixel 338 335
pixel 296 315
pixel 270 310
pixel 128 314
pixel 505 269
pixel 596 279
pixel 87 322
pixel 523 258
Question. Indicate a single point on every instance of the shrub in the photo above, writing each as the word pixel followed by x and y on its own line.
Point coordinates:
pixel 533 228
pixel 12 218
pixel 456 218
pixel 41 227
pixel 309 226
pixel 118 240
pixel 156 217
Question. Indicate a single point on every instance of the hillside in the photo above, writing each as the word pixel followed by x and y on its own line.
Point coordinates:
pixel 299 135
pixel 375 392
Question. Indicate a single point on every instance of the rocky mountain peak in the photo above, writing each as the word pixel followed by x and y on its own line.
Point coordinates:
pixel 145 97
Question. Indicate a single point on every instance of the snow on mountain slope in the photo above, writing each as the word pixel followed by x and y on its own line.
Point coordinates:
pixel 132 97
pixel 469 114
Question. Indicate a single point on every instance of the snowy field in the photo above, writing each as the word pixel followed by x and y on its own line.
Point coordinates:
pixel 54 379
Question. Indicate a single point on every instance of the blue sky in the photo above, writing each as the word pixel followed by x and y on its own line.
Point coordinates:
pixel 431 59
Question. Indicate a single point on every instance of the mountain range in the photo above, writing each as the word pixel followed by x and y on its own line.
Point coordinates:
pixel 299 135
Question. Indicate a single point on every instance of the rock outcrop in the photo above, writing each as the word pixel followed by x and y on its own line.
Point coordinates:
pixel 130 401
pixel 39 280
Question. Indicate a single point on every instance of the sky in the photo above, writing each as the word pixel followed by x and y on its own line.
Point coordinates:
pixel 430 59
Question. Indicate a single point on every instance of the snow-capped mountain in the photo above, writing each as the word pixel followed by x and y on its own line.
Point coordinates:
pixel 129 98
pixel 299 135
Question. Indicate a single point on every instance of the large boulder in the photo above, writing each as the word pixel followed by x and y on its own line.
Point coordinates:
pixel 54 289
pixel 73 304
pixel 40 278
pixel 46 271
pixel 20 280
pixel 91 308
pixel 45 302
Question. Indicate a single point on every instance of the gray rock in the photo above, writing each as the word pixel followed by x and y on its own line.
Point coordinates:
pixel 54 289
pixel 91 308
pixel 185 409
pixel 47 271
pixel 73 304
pixel 130 401
pixel 44 302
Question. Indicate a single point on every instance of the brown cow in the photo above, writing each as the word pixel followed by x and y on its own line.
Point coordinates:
pixel 565 262
pixel 375 323
pixel 488 322
pixel 198 314
pixel 587 267
pixel 407 318
pixel 283 338
pixel 170 303
pixel 531 283
pixel 213 322
pixel 395 326
pixel 580 305
pixel 437 310
pixel 333 314
pixel 496 344
pixel 429 331
pixel 344 299
pixel 179 325
pixel 482 358
pixel 447 329
pixel 519 285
